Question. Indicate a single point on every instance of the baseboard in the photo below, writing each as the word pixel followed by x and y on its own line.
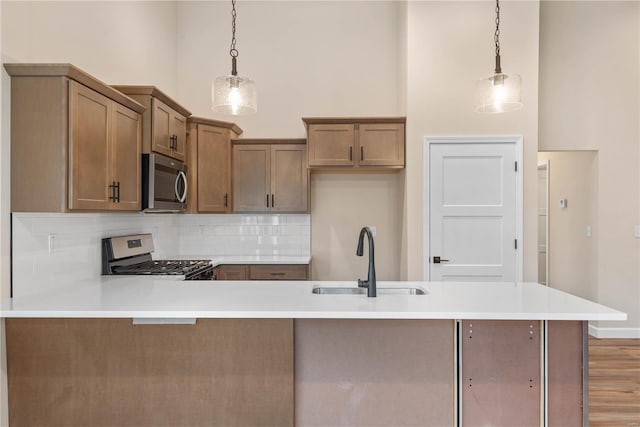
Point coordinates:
pixel 614 332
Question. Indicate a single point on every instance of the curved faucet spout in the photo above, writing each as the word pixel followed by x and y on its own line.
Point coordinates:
pixel 370 283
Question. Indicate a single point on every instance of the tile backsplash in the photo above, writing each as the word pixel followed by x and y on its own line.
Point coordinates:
pixel 245 234
pixel 50 250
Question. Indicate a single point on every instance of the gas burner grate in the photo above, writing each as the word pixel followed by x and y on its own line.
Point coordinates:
pixel 163 267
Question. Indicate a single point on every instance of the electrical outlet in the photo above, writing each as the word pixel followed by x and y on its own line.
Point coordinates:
pixel 637 232
pixel 50 239
pixel 373 229
pixel 588 231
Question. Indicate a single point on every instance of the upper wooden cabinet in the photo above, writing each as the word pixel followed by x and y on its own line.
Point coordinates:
pixel 164 122
pixel 209 159
pixel 270 175
pixel 356 143
pixel 75 142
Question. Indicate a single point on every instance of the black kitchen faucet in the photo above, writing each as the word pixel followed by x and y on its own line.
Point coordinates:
pixel 370 283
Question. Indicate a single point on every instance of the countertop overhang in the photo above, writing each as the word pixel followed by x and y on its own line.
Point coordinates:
pixel 153 297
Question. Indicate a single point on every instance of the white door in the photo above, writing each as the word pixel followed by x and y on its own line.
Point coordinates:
pixel 473 208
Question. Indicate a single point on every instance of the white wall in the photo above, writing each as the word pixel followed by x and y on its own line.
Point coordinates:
pixel 573 256
pixel 341 206
pixel 308 58
pixel 589 100
pixel 117 42
pixel 450 47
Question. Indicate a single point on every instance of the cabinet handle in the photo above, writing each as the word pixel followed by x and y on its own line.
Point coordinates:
pixel 118 192
pixel 113 191
pixel 226 200
pixel 350 154
pixel 273 203
pixel 278 274
pixel 267 200
pixel 361 153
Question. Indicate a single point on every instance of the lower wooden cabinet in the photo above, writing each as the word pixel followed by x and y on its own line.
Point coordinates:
pixel 231 272
pixel 262 272
pixel 110 372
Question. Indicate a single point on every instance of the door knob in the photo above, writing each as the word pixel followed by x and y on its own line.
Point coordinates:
pixel 438 260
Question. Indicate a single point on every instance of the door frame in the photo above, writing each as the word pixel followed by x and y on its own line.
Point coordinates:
pixel 546 165
pixel 517 140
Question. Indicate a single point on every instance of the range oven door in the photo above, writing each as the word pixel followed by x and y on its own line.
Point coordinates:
pixel 164 184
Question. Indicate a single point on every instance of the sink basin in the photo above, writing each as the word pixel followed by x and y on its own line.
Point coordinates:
pixel 363 291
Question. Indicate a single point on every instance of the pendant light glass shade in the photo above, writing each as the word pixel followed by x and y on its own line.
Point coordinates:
pixel 499 93
pixel 234 95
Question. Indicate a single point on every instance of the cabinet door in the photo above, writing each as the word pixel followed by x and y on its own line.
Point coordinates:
pixel 126 152
pixel 251 178
pixel 161 117
pixel 331 145
pixel 232 272
pixel 214 164
pixel 178 129
pixel 381 144
pixel 289 178
pixel 89 133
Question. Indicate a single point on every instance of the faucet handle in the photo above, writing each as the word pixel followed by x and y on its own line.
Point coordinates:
pixel 362 283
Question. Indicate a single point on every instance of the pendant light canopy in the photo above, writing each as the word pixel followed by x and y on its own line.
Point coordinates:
pixel 233 94
pixel 500 92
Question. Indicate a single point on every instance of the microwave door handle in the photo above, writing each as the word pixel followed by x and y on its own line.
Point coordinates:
pixel 183 197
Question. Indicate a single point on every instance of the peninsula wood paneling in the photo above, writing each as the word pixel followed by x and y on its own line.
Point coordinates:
pixel 500 376
pixel 109 372
pixel 374 372
pixel 564 372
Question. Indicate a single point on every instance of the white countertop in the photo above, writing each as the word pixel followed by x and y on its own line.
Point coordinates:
pixel 153 297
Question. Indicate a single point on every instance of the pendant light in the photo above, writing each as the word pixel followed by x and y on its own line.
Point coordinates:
pixel 233 94
pixel 500 92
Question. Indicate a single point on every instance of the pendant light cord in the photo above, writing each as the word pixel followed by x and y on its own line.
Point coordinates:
pixel 496 38
pixel 233 51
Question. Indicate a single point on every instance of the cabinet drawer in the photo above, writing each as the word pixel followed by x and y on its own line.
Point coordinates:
pixel 231 272
pixel 279 272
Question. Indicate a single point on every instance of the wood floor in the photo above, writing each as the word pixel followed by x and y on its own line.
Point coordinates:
pixel 614 382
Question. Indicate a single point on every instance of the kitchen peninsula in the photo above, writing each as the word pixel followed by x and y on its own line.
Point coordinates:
pixel 148 351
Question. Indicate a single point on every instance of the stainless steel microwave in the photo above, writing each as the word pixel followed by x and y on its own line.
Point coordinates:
pixel 164 184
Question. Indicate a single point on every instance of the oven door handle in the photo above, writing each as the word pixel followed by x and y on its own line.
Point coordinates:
pixel 183 197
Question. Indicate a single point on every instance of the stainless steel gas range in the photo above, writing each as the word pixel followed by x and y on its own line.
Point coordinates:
pixel 131 254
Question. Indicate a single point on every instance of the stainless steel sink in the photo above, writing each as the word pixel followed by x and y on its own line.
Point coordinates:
pixel 363 291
